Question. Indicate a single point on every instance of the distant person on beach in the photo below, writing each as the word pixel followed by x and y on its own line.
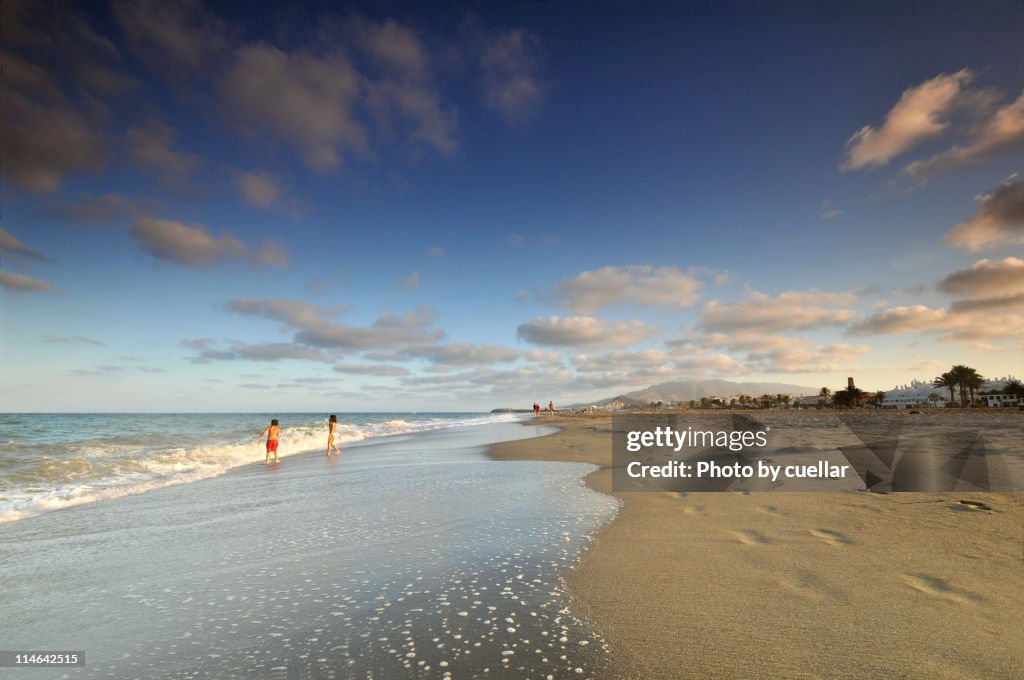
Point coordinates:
pixel 273 434
pixel 551 406
pixel 536 409
pixel 332 423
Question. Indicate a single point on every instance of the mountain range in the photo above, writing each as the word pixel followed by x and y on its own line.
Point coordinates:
pixel 685 390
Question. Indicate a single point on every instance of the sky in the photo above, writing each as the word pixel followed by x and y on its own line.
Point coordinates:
pixel 395 206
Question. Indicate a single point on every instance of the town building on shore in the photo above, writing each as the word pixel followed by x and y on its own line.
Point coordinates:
pixel 920 393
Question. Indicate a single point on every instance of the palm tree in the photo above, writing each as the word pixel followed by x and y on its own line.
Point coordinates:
pixel 962 374
pixel 934 397
pixel 949 380
pixel 965 376
pixel 974 383
pixel 1014 388
pixel 877 398
pixel 824 395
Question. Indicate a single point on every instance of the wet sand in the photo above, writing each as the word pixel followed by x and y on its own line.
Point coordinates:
pixel 796 585
pixel 412 557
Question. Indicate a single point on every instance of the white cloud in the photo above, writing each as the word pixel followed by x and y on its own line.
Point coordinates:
pixel 178 40
pixel 583 331
pixel 998 219
pixel 620 361
pixel 150 147
pixel 275 351
pixel 704 363
pixel 19 283
pixel 326 107
pixel 74 339
pixel 258 188
pixel 510 62
pixel 393 47
pixel 45 142
pixel 763 353
pixel 1003 131
pixel 798 357
pixel 292 312
pixel 789 310
pixel 420 107
pixel 389 331
pixel 987 278
pixel 271 351
pixel 193 246
pixel 909 319
pixel 643 285
pixel 543 357
pixel 927 366
pixel 312 106
pixel 385 356
pixel 915 118
pixel 51 132
pixel 975 327
pixel 10 244
pixel 829 211
pixel 965 323
pixel 404 87
pixel 464 353
pixel 96 209
pixel 1002 302
pixel 382 370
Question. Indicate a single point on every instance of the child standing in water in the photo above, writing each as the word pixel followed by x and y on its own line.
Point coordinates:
pixel 333 425
pixel 273 434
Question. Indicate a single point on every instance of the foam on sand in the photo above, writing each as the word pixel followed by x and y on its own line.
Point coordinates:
pixel 40 478
pixel 375 566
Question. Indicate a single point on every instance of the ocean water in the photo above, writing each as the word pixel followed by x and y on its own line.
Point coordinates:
pixel 409 556
pixel 53 461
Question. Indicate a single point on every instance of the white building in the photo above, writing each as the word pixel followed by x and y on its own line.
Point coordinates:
pixel 917 392
pixel 998 400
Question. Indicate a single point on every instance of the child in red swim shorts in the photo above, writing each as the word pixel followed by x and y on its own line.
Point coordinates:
pixel 273 434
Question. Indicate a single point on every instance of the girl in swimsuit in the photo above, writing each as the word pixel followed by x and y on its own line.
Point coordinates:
pixel 333 424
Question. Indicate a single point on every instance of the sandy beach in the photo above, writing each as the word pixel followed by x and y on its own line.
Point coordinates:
pixel 796 585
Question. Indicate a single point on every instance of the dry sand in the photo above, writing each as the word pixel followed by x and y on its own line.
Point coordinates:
pixel 796 585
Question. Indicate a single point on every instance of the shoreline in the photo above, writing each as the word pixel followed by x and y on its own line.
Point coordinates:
pixel 160 457
pixel 768 585
pixel 399 562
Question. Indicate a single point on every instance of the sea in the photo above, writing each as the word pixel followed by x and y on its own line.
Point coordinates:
pixel 161 546
pixel 50 461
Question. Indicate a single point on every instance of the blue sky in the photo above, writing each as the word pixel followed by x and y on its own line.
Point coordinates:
pixel 389 206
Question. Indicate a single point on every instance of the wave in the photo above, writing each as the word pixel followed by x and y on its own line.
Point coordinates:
pixel 38 481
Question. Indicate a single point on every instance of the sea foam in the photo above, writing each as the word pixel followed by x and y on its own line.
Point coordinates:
pixel 39 478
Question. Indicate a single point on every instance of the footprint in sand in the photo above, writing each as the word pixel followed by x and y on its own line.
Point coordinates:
pixel 811 586
pixel 693 509
pixel 940 588
pixel 830 537
pixel 751 538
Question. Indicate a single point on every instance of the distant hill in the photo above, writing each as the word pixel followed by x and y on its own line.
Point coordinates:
pixel 685 390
